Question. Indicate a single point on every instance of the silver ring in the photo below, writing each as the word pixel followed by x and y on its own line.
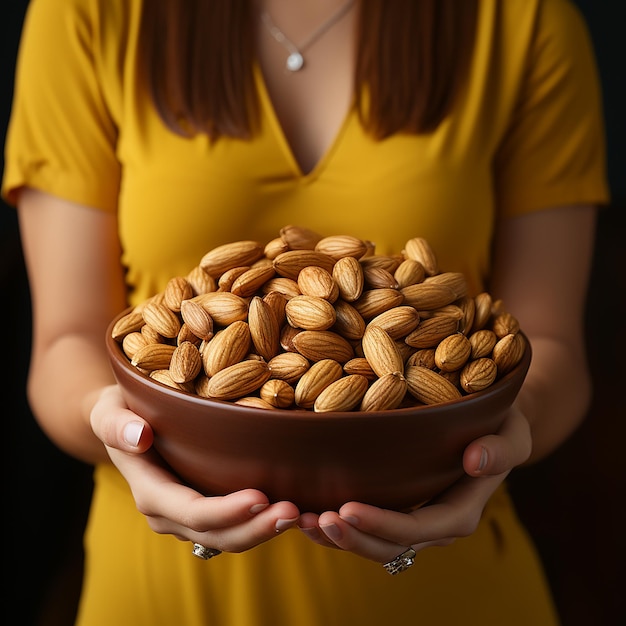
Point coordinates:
pixel 203 552
pixel 401 563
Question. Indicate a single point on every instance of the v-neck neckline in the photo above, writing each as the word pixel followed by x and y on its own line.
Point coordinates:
pixel 268 110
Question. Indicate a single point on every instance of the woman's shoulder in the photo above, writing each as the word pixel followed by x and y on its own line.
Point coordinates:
pixel 91 18
pixel 538 18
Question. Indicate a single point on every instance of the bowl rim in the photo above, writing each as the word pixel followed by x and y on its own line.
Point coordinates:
pixel 115 351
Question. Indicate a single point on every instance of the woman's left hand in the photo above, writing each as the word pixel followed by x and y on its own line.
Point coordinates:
pixel 381 535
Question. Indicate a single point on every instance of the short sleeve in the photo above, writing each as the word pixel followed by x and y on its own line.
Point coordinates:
pixel 61 136
pixel 554 150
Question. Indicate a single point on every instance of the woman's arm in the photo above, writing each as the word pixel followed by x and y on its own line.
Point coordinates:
pixel 72 255
pixel 541 269
pixel 542 265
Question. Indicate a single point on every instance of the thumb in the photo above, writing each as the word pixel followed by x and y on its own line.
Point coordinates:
pixel 117 426
pixel 492 455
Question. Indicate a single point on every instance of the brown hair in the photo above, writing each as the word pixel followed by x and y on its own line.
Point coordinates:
pixel 412 59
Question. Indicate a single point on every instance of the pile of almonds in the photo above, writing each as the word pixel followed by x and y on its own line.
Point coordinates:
pixel 323 324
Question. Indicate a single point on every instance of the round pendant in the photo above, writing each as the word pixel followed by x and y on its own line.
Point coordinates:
pixel 294 62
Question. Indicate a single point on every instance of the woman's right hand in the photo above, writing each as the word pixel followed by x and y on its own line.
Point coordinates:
pixel 232 523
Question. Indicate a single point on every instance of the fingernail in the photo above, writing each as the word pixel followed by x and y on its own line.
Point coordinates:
pixel 132 433
pixel 483 460
pixel 311 533
pixel 332 531
pixel 257 508
pixel 284 524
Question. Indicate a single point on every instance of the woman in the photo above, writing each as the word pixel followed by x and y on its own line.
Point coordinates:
pixel 144 134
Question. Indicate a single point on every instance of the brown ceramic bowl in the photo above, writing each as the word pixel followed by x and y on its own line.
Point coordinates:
pixel 395 459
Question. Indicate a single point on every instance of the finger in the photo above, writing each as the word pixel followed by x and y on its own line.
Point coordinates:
pixel 117 426
pixel 160 494
pixel 308 525
pixel 495 454
pixel 455 513
pixel 346 536
pixel 264 526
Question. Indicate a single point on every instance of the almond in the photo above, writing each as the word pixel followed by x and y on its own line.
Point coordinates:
pixel 397 322
pixel 186 363
pixel 348 321
pixel 453 376
pixel 287 287
pixel 288 366
pixel 419 250
pixel 238 380
pixel 185 334
pixel 508 352
pixel 310 313
pixel 318 282
pixel 344 394
pixel 383 261
pixel 277 393
pixel 224 307
pixel 374 301
pixel 348 274
pixel 164 377
pixel 381 351
pixel 153 356
pixel 197 318
pixel 483 303
pixel 229 346
pixel 409 272
pixel 299 238
pixel 317 345
pixel 288 264
pixel 424 357
pixel 468 310
pixel 478 374
pixel 379 278
pixel 162 319
pixel 449 310
pixel 430 332
pixel 385 393
pixel 254 402
pixel 427 296
pixel 264 328
pixel 339 246
pixel 454 280
pixel 200 385
pixel 452 352
pixel 287 335
pixel 428 386
pixel 226 280
pixel 315 380
pixel 177 290
pixel 252 280
pixel 275 247
pixel 504 324
pixel 200 281
pixel 482 342
pixel 132 342
pixel 277 302
pixel 131 322
pixel 151 335
pixel 360 365
pixel 229 255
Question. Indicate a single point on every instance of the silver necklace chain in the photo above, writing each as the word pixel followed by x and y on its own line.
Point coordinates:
pixel 295 60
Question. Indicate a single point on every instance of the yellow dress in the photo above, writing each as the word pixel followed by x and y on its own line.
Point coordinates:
pixel 527 135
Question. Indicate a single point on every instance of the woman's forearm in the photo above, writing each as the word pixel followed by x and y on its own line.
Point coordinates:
pixel 64 382
pixel 556 394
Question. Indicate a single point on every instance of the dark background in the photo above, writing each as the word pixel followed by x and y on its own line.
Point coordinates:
pixel 572 503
